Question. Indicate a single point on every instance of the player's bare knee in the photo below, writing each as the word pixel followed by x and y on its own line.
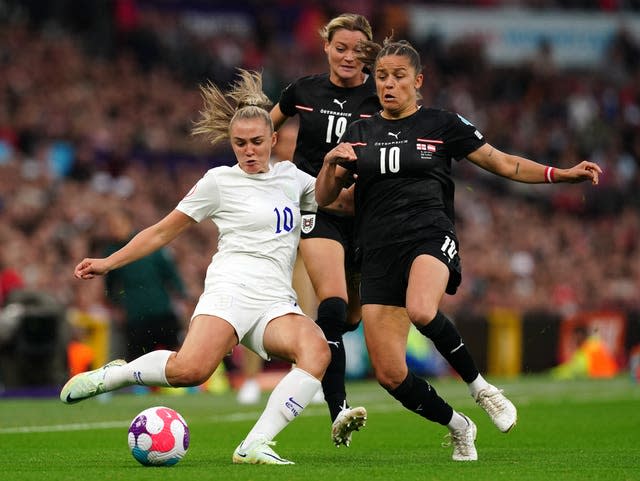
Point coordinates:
pixel 321 353
pixel 315 356
pixel 181 375
pixel 421 315
pixel 389 377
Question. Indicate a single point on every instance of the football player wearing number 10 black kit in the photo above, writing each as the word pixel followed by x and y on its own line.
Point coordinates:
pixel 326 104
pixel 404 199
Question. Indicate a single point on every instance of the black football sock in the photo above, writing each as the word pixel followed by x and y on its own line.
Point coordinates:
pixel 419 396
pixel 448 342
pixel 332 315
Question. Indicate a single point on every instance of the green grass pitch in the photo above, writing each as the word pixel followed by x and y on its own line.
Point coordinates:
pixel 569 430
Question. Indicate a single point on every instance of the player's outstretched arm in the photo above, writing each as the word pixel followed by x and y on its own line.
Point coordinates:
pixel 528 171
pixel 144 243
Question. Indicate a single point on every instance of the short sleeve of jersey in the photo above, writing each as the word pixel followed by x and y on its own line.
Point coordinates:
pixel 462 136
pixel 287 100
pixel 203 199
pixel 308 193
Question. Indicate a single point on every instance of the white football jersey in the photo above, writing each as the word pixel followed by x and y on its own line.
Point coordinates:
pixel 258 218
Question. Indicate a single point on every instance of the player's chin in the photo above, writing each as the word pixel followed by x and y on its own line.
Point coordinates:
pixel 253 167
pixel 389 103
pixel 348 72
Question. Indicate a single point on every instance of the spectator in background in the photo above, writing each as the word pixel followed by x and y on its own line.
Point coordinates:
pixel 542 62
pixel 10 280
pixel 145 292
pixel 90 324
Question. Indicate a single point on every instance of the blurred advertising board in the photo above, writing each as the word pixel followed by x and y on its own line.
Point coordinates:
pixel 511 36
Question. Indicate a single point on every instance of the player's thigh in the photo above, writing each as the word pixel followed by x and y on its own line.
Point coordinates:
pixel 298 339
pixel 305 292
pixel 208 340
pixel 324 260
pixel 428 279
pixel 354 309
pixel 386 329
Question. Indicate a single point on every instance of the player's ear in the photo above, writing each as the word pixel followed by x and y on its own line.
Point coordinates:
pixel 419 80
pixel 274 139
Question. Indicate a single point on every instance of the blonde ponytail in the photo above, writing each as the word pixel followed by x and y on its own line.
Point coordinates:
pixel 244 100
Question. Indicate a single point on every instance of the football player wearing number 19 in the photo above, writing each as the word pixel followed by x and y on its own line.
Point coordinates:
pixel 325 105
pixel 404 197
pixel 248 297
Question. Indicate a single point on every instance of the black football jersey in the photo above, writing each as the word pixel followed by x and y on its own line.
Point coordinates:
pixel 325 111
pixel 404 172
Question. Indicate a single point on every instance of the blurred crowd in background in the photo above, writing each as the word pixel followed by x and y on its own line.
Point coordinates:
pixel 97 100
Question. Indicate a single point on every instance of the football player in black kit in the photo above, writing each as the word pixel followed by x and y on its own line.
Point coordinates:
pixel 326 103
pixel 404 198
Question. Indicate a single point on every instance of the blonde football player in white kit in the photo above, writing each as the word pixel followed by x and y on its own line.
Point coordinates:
pixel 247 295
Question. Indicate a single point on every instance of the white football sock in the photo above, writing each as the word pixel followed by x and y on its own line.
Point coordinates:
pixel 147 370
pixel 457 422
pixel 477 385
pixel 292 394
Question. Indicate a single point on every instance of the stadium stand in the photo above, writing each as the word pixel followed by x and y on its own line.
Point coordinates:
pixel 96 107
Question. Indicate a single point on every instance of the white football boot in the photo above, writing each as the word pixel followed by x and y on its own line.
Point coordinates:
pixel 258 452
pixel 347 421
pixel 87 384
pixel 501 411
pixel 463 441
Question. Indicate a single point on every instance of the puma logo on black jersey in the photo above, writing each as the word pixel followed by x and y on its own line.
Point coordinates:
pixel 341 104
pixel 395 136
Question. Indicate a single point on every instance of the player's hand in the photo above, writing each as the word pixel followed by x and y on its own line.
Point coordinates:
pixel 581 172
pixel 342 152
pixel 89 268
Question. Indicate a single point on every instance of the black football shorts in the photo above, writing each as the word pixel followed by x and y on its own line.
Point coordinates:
pixel 385 270
pixel 322 225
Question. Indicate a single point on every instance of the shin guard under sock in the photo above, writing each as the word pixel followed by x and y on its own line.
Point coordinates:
pixel 447 340
pixel 332 315
pixel 419 396
pixel 286 402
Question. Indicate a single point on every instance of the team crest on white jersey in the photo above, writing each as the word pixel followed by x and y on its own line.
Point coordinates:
pixel 308 222
pixel 341 104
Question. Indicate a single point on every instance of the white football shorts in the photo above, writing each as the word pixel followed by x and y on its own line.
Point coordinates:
pixel 249 317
